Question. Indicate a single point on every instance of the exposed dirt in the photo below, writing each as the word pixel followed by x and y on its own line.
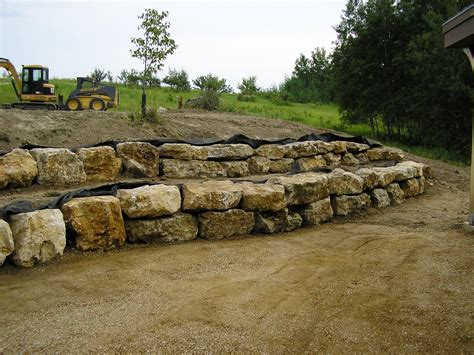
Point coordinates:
pixel 72 129
pixel 393 280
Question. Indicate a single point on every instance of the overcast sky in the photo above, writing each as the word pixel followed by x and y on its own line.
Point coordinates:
pixel 232 39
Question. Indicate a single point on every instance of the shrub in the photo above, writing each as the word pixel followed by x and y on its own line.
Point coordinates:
pixel 212 82
pixel 178 80
pixel 208 100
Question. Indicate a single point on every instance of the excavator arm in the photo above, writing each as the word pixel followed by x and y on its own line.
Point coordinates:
pixel 10 68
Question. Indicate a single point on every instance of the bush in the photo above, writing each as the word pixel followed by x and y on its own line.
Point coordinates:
pixel 246 98
pixel 151 115
pixel 248 86
pixel 208 100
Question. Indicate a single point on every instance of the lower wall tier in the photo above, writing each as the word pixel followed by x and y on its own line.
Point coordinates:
pixel 210 210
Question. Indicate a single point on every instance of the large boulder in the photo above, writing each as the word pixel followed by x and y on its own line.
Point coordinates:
pixel 395 193
pixel 181 169
pixel 301 149
pixel 6 241
pixel 316 212
pixel 275 222
pixel 95 222
pixel 309 163
pixel 139 159
pixel 353 147
pixel 229 151
pixel 39 236
pixel 262 197
pixel 347 204
pixel 235 168
pixel 340 147
pixel 404 172
pixel 302 188
pixel 349 159
pixel 371 179
pixel 17 169
pixel 259 165
pixel 211 195
pixel 342 182
pixel 183 151
pixel 323 147
pixel 100 163
pixel 380 198
pixel 271 151
pixel 410 187
pixel 385 153
pixel 226 224
pixel 362 158
pixel 280 166
pixel 150 201
pixel 385 176
pixel 419 167
pixel 58 166
pixel 332 159
pixel 179 227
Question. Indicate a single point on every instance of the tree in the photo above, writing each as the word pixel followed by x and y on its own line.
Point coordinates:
pixel 99 74
pixel 212 82
pixel 153 47
pixel 391 71
pixel 248 86
pixel 178 80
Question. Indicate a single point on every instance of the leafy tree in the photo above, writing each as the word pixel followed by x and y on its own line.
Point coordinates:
pixel 211 82
pixel 391 71
pixel 178 80
pixel 248 86
pixel 154 45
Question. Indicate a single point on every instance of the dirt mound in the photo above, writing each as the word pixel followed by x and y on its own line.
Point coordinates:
pixel 71 129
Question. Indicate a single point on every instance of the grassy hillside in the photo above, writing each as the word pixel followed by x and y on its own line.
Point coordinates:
pixel 317 115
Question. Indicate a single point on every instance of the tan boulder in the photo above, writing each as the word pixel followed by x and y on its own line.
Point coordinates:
pixel 259 165
pixel 332 159
pixel 301 149
pixel 95 222
pixel 380 198
pixel 139 159
pixel 226 224
pixel 181 169
pixel 271 151
pixel 280 166
pixel 6 241
pixel 342 182
pixel 403 172
pixel 17 169
pixel 276 222
pixel 316 212
pixel 100 163
pixel 309 163
pixel 410 187
pixel 421 183
pixel 211 195
pixel 395 193
pixel 348 159
pixel 302 188
pixel 262 197
pixel 179 227
pixel 385 153
pixel 340 147
pixel 362 158
pixel 183 151
pixel 347 204
pixel 385 176
pixel 353 147
pixel 39 236
pixel 419 167
pixel 370 177
pixel 150 201
pixel 58 167
pixel 235 168
pixel 323 147
pixel 229 151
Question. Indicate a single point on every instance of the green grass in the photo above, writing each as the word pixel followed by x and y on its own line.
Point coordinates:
pixel 315 115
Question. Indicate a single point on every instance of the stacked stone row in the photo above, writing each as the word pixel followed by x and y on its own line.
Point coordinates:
pixel 63 167
pixel 208 210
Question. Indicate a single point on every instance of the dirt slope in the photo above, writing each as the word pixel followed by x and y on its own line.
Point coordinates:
pixel 394 280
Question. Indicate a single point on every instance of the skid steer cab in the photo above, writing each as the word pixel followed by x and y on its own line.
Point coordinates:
pixel 90 94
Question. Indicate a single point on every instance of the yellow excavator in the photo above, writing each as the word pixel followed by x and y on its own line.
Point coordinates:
pixel 35 92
